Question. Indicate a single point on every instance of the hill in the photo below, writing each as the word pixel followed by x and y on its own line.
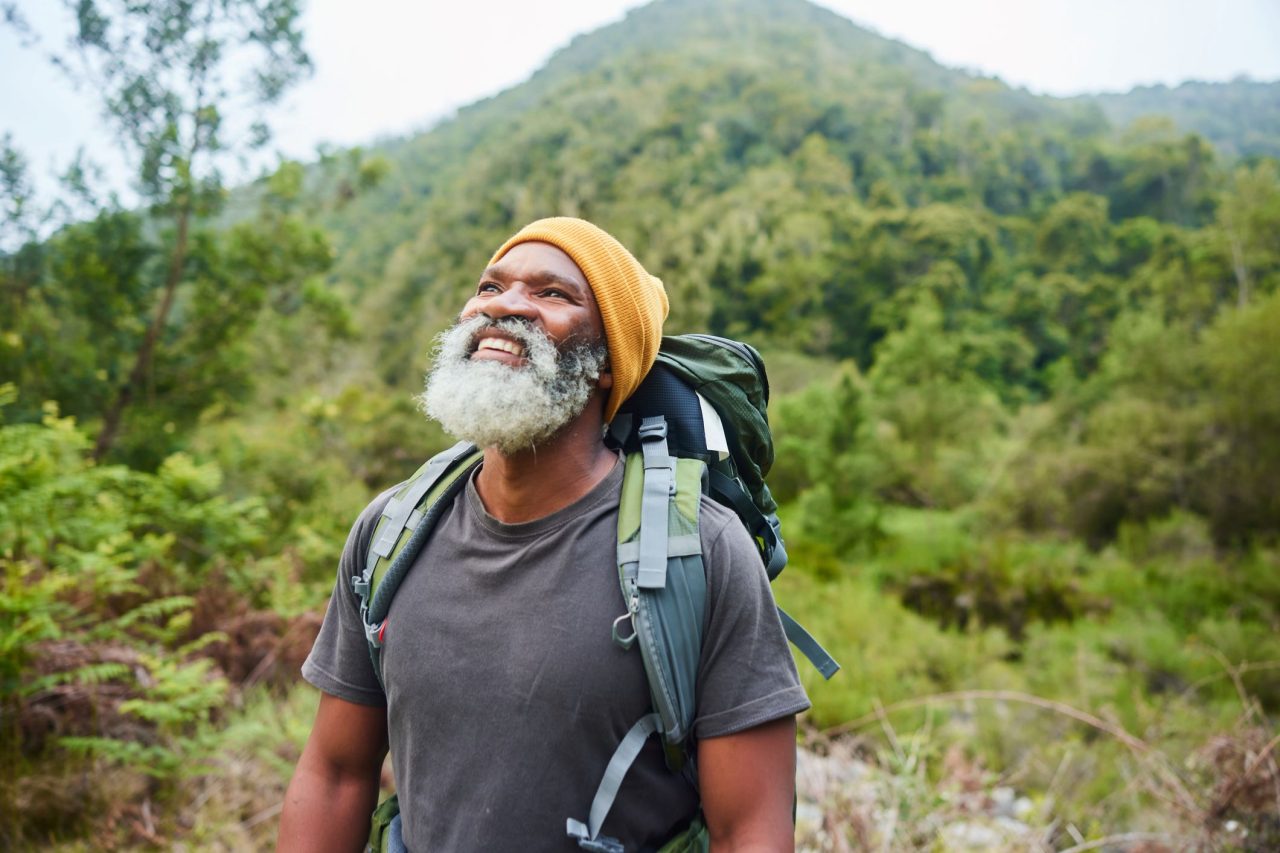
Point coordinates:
pixel 1240 118
pixel 662 124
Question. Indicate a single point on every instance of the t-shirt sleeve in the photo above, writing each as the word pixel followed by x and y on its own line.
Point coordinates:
pixel 339 662
pixel 746 675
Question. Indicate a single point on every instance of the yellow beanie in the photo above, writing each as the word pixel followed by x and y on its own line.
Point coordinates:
pixel 632 303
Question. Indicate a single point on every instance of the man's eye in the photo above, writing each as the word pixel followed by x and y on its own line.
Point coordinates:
pixel 555 293
pixel 487 287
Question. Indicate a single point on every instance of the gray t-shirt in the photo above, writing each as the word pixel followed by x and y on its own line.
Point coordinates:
pixel 506 695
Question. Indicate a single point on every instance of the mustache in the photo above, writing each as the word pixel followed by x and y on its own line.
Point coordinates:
pixel 460 340
pixel 520 328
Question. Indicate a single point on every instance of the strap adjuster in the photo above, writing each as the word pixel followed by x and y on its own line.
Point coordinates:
pixel 653 429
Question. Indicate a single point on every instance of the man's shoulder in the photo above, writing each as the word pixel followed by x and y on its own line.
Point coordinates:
pixel 375 507
pixel 367 520
pixel 717 522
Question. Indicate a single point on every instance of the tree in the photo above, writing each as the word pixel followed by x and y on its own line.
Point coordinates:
pixel 1242 354
pixel 170 73
pixel 1249 218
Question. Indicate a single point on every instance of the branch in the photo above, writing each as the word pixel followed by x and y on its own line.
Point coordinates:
pixel 1123 838
pixel 1134 744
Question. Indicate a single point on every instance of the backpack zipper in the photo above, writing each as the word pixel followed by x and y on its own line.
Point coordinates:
pixel 641 621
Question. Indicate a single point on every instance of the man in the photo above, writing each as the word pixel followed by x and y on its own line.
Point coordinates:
pixel 505 694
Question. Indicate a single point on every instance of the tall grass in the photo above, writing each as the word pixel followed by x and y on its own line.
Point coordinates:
pixel 1105 686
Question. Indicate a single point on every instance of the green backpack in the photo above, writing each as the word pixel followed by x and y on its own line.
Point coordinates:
pixel 696 426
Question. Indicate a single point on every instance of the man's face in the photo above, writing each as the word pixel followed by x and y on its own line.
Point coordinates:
pixel 526 356
pixel 540 284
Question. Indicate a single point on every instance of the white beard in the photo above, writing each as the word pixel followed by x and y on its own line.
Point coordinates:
pixel 491 404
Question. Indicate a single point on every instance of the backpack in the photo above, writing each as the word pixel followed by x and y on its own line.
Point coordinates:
pixel 696 426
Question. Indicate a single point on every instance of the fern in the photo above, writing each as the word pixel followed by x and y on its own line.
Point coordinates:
pixel 96 673
pixel 154 610
pixel 104 557
pixel 200 643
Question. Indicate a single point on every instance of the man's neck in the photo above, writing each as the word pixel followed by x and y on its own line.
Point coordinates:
pixel 534 483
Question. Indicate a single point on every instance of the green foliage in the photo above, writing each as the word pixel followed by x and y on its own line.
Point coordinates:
pixel 164 72
pixel 887 653
pixel 1174 419
pixel 75 311
pixel 176 699
pixel 1240 118
pixel 101 566
pixel 1242 354
pixel 1024 371
pixel 83 308
pixel 937 417
pixel 822 463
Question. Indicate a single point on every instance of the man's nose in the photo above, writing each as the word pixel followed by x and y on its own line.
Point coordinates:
pixel 514 301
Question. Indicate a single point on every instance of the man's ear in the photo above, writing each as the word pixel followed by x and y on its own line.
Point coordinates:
pixel 605 382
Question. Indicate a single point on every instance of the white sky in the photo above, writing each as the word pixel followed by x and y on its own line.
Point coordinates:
pixel 389 67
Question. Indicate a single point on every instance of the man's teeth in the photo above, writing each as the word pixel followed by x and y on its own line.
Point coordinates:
pixel 501 344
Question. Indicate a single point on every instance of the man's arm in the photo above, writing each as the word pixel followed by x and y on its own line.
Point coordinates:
pixel 747 781
pixel 335 788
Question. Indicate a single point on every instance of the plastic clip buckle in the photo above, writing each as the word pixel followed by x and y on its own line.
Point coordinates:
pixel 579 832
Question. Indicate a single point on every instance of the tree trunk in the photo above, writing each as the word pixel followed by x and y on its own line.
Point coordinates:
pixel 1238 265
pixel 146 353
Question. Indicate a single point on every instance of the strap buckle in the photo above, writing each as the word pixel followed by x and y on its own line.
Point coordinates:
pixel 601 844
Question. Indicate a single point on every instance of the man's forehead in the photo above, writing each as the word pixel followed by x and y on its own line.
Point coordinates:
pixel 541 260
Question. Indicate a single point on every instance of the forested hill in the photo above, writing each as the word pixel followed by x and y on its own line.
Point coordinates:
pixel 1241 118
pixel 796 181
pixel 659 124
pixel 789 174
pixel 814 188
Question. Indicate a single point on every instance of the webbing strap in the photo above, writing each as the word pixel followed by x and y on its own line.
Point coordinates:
pixel 684 545
pixel 398 510
pixel 778 556
pixel 764 527
pixel 620 428
pixel 733 491
pixel 659 481
pixel 808 646
pixel 623 757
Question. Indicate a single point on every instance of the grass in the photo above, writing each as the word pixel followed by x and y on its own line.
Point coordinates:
pixel 231 803
pixel 1141 712
pixel 1101 685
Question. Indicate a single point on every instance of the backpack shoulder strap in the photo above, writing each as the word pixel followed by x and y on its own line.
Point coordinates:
pixel 405 524
pixel 664 585
pixel 663 578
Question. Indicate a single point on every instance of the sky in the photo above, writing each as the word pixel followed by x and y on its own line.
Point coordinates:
pixel 392 67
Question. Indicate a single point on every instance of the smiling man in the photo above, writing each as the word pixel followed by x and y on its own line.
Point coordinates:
pixel 505 694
